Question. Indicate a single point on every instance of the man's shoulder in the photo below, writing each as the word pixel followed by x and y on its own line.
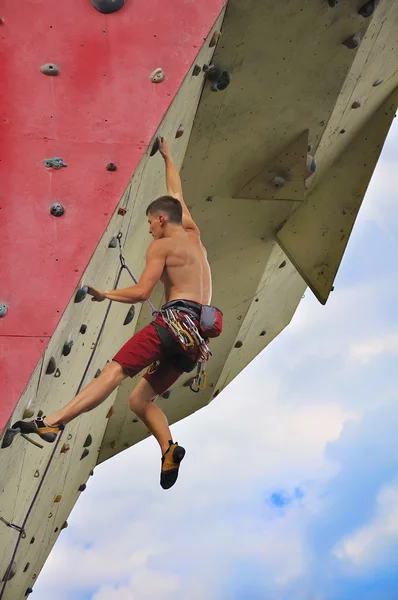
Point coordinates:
pixel 159 246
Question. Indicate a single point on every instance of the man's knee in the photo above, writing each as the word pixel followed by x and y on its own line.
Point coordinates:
pixel 141 396
pixel 113 370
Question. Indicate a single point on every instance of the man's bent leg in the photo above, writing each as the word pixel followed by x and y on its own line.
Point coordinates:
pixel 141 403
pixel 91 396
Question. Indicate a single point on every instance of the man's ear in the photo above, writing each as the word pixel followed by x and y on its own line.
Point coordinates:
pixel 162 219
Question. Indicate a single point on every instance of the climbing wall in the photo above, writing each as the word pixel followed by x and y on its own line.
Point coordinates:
pixel 78 87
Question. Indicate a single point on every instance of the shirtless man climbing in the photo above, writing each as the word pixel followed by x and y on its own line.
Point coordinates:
pixel 177 258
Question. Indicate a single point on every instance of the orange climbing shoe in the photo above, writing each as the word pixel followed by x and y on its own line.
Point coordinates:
pixel 38 426
pixel 171 460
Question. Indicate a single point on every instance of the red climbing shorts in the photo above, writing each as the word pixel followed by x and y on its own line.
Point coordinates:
pixel 144 349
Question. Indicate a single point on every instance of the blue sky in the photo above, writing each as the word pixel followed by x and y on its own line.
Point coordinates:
pixel 290 484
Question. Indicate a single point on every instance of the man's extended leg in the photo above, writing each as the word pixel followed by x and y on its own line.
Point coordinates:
pixel 90 397
pixel 141 403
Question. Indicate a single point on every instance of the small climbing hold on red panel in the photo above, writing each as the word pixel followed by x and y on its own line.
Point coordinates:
pixel 157 76
pixel 107 6
pixel 54 163
pixel 57 210
pixel 49 69
pixel 368 9
pixel 352 42
pixel 111 166
pixel 3 310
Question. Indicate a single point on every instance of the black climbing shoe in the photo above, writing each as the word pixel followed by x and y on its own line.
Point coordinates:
pixel 38 426
pixel 171 460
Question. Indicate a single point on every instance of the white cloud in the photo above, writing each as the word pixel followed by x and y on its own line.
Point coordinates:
pixel 369 545
pixel 364 351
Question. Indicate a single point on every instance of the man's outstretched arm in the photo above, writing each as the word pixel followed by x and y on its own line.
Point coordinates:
pixel 174 187
pixel 155 262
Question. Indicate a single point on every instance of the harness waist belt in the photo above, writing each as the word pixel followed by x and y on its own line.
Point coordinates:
pixel 191 308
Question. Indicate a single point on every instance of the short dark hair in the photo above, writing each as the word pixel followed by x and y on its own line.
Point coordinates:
pixel 168 205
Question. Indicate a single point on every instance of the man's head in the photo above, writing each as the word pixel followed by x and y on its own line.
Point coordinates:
pixel 161 212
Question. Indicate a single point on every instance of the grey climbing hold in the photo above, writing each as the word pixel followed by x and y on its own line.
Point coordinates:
pixel 130 315
pixel 214 39
pixel 10 572
pixel 219 78
pixel 263 332
pixel 311 166
pixel 57 373
pixel 85 453
pixel 157 76
pixel 65 525
pixel 113 242
pixel 88 441
pixel 368 9
pixel 82 487
pixel 180 131
pixel 155 147
pixel 333 3
pixel 37 474
pixel 66 350
pixel 83 329
pixel 378 82
pixel 352 42
pixel 81 294
pixel 3 310
pixel 98 373
pixel 54 163
pixel 50 69
pixel 107 6
pixel 196 70
pixel 32 541
pixel 238 344
pixel 92 473
pixel 52 365
pixel 283 264
pixel 26 567
pixel 166 394
pixel 356 104
pixel 28 591
pixel 111 167
pixel 57 210
pixel 278 182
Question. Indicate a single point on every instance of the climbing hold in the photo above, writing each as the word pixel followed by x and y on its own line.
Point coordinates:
pixel 135 420
pixel 356 104
pixel 196 70
pixel 238 344
pixel 85 453
pixel 54 163
pixel 155 147
pixel 129 316
pixel 111 167
pixel 311 166
pixel 57 373
pixel 65 525
pixel 219 78
pixel 50 515
pixel 26 567
pixel 333 3
pixel 40 413
pixel 113 444
pixel 65 448
pixel 67 348
pixel 214 39
pixel 28 591
pixel 378 82
pixel 52 365
pixel 166 395
pixel 82 487
pixel 107 6
pixel 92 473
pixel 263 332
pixel 55 530
pixel 352 42
pixel 3 310
pixel 29 410
pixel 10 572
pixel 157 76
pixel 57 210
pixel 49 69
pixel 368 9
pixel 216 393
pixel 81 294
pixel 98 373
pixel 37 474
pixel 278 182
pixel 58 498
pixel 32 541
pixel 209 199
pixel 83 329
pixel 121 212
pixel 283 264
pixel 88 441
pixel 113 242
pixel 110 412
pixel 180 131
